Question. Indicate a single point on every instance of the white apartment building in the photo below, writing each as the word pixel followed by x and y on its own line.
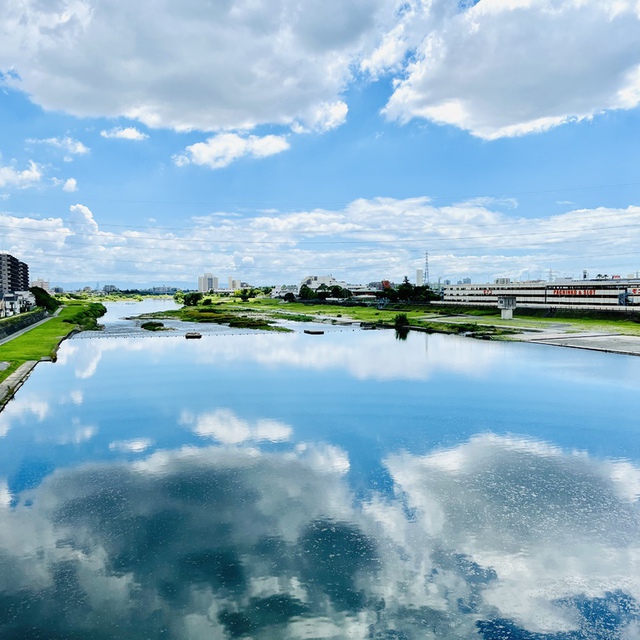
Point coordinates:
pixel 43 284
pixel 207 282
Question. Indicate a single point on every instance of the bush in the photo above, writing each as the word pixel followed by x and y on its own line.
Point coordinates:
pixel 87 317
pixel 192 299
pixel 401 320
pixel 152 325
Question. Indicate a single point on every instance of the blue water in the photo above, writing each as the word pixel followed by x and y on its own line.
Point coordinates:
pixel 350 485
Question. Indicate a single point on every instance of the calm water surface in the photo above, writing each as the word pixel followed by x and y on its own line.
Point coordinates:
pixel 350 485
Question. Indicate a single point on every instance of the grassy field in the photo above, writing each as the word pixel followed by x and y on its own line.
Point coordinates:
pixel 42 341
pixel 435 318
pixel 260 312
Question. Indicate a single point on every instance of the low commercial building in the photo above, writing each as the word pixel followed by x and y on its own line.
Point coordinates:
pixel 611 295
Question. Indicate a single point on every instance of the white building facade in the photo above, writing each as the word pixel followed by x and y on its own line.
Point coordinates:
pixel 207 282
pixel 610 295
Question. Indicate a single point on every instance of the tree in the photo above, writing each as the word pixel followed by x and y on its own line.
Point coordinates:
pixel 289 297
pixel 405 290
pixel 307 293
pixel 44 300
pixel 389 293
pixel 192 299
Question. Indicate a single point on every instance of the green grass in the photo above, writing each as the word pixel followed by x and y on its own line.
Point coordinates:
pixel 219 314
pixel 434 318
pixel 41 342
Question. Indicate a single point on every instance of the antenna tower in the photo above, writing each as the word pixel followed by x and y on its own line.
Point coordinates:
pixel 426 268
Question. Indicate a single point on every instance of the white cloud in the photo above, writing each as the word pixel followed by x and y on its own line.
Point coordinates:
pixel 511 68
pixel 67 144
pixel 496 68
pixel 199 65
pixel 70 185
pixel 81 219
pixel 128 133
pixel 221 150
pixel 12 177
pixel 362 241
pixel 323 117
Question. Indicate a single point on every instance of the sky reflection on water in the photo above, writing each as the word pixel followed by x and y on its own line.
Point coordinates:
pixel 348 485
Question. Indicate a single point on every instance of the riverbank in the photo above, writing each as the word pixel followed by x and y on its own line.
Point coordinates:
pixel 40 342
pixel 607 334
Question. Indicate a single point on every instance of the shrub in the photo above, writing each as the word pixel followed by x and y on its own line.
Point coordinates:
pixel 152 325
pixel 401 320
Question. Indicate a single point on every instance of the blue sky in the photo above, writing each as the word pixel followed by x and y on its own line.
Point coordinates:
pixel 273 139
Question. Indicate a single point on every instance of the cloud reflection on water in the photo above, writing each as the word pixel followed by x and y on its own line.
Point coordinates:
pixel 363 355
pixel 226 427
pixel 495 533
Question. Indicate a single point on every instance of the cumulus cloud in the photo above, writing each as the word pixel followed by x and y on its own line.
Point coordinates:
pixel 198 66
pixel 510 68
pixel 221 150
pixel 323 117
pixel 81 219
pixel 70 185
pixel 12 177
pixel 126 133
pixel 491 67
pixel 385 238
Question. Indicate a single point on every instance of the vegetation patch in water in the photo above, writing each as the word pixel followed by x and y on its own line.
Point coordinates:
pixel 153 325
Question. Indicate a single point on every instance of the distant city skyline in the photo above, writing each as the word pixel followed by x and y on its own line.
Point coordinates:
pixel 368 133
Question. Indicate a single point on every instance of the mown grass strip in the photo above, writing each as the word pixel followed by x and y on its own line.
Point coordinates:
pixel 42 341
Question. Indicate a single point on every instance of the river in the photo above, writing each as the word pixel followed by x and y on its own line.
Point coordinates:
pixel 348 485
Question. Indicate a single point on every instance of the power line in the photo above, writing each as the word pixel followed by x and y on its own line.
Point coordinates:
pixel 265 204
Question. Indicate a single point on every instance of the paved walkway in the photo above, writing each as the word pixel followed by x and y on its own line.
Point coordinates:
pixel 13 382
pixel 607 342
pixel 559 335
pixel 31 326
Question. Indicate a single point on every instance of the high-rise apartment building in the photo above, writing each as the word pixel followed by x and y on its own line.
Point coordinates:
pixel 14 274
pixel 207 282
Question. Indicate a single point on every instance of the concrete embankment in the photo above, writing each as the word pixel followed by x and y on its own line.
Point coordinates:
pixel 14 381
pixel 9 326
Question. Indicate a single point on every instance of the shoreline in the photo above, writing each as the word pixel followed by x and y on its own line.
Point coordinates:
pixel 10 385
pixel 602 342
